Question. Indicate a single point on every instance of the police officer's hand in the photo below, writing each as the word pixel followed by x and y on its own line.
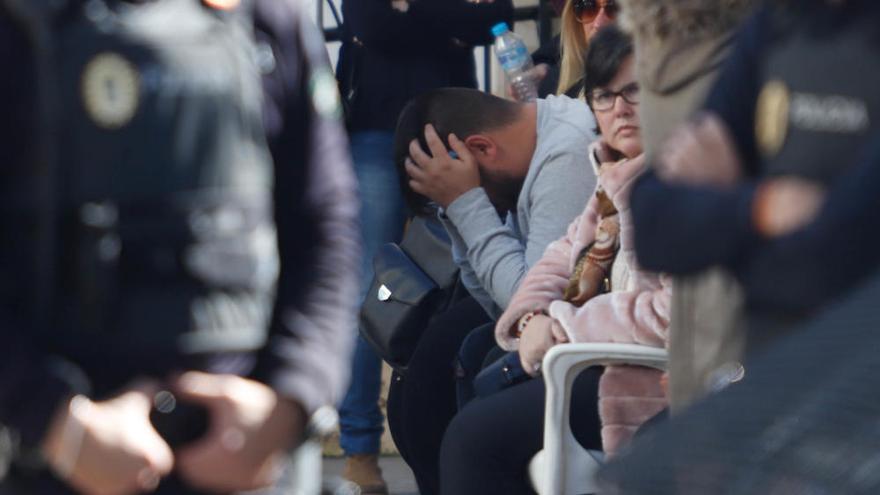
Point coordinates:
pixel 108 447
pixel 701 153
pixel 785 204
pixel 439 176
pixel 251 429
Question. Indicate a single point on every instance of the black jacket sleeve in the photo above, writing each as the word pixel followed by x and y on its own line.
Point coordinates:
pixel 831 255
pixel 426 25
pixel 316 210
pixel 548 53
pixel 681 229
pixel 32 383
pixel 468 22
pixel 379 26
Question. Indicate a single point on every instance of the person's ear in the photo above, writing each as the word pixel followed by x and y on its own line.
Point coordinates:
pixel 481 147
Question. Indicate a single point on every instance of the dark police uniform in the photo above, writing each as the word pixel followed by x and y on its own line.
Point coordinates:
pixel 176 193
pixel 799 94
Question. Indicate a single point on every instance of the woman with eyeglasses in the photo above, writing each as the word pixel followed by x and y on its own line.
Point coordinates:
pixel 586 288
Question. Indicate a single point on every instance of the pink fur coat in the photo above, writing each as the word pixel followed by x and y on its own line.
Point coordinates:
pixel 635 311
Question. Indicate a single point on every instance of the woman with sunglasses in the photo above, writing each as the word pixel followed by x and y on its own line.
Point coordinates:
pixel 581 19
pixel 565 297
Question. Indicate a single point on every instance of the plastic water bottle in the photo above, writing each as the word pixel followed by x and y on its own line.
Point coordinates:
pixel 515 60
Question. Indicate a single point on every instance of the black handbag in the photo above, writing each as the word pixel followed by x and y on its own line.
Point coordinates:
pixel 413 282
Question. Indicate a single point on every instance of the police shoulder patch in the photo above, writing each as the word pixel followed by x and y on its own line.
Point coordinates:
pixel 771 118
pixel 110 90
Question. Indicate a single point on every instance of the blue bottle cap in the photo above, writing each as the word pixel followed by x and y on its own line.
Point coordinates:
pixel 500 28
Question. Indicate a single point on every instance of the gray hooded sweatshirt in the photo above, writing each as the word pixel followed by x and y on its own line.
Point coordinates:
pixel 494 254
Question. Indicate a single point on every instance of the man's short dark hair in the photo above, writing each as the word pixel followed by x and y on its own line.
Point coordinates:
pixel 608 50
pixel 460 111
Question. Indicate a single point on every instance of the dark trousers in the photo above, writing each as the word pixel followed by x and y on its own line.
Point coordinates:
pixel 422 400
pixel 488 446
pixel 477 351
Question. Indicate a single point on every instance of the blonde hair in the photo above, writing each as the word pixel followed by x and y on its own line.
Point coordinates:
pixel 574 47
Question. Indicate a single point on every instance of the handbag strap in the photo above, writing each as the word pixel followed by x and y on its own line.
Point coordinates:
pixel 427 243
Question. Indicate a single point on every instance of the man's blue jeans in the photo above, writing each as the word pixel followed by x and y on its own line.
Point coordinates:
pixel 382 218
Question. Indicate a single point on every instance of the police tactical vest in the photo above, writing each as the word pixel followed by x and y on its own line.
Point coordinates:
pixel 162 217
pixel 818 107
pixel 819 103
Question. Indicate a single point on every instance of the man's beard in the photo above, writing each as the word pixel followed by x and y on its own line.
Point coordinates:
pixel 503 190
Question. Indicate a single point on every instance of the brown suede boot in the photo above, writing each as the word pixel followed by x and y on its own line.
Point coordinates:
pixel 364 471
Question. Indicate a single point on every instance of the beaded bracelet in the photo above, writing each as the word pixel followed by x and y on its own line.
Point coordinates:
pixel 524 321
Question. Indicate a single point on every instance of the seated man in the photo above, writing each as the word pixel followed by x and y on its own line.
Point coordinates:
pixel 586 288
pixel 526 162
pixel 516 176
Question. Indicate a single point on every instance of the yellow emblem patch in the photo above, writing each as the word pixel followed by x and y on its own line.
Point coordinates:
pixel 772 118
pixel 110 90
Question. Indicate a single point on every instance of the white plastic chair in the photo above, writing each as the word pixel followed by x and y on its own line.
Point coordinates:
pixel 564 467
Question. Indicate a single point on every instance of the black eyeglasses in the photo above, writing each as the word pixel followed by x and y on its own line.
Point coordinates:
pixel 602 100
pixel 586 11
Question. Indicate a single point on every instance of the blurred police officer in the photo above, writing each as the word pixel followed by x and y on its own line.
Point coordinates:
pixel 789 105
pixel 177 212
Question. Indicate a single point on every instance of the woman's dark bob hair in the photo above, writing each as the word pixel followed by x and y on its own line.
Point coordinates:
pixel 608 50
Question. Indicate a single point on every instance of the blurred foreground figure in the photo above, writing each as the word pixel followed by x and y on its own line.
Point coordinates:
pixel 803 421
pixel 179 226
pixel 744 187
pixel 680 45
pixel 392 51
pixel 733 184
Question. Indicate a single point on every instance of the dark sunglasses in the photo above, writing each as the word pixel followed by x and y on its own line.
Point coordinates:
pixel 586 11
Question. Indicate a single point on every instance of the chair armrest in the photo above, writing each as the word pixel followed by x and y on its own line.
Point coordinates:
pixel 560 367
pixel 564 356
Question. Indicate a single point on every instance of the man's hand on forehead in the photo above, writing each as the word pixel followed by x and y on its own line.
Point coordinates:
pixel 443 175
